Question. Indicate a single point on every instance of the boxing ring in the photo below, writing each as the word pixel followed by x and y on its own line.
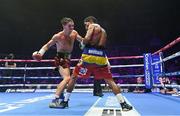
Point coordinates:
pixel 25 93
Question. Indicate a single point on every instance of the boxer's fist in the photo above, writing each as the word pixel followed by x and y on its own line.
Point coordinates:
pixel 36 56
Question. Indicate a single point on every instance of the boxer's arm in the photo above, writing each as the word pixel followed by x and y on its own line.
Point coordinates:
pixel 79 38
pixel 102 41
pixel 48 45
pixel 89 34
pixel 108 63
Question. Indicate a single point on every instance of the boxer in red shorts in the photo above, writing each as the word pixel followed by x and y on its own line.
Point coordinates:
pixel 94 61
pixel 85 71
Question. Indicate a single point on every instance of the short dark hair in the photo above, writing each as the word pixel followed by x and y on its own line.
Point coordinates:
pixel 66 20
pixel 90 19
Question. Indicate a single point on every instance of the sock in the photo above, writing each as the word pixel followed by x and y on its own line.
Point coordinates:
pixel 120 98
pixel 67 96
pixel 56 96
pixel 59 98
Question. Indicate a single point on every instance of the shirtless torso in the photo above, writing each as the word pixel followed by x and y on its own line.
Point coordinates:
pixel 65 43
pixel 96 35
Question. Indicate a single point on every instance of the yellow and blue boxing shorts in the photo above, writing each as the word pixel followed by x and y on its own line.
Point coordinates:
pixel 94 56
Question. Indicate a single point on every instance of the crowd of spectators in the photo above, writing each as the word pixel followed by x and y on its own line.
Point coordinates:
pixel 49 74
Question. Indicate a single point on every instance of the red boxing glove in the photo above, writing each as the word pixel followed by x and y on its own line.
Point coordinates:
pixel 37 56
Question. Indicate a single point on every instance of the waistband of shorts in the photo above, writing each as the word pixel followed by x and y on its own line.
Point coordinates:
pixel 95 46
pixel 94 52
pixel 63 54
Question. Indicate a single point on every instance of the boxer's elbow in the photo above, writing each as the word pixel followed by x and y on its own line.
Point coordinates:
pixel 86 40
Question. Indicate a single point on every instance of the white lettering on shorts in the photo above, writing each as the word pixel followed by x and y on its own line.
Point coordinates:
pixel 96 52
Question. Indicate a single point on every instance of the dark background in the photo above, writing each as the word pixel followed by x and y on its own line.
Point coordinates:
pixel 133 26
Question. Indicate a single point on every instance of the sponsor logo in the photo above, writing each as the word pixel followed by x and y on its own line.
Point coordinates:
pixel 111 112
pixel 20 90
pixel 96 52
pixel 147 70
pixel 83 71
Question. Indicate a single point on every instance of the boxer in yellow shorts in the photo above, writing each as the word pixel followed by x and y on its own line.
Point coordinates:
pixel 94 61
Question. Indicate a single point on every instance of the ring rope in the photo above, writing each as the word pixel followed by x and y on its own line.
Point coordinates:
pixel 168 46
pixel 77 85
pixel 115 76
pixel 83 85
pixel 44 68
pixel 124 66
pixel 57 77
pixel 168 58
pixel 51 60
pixel 170 74
pixel 110 58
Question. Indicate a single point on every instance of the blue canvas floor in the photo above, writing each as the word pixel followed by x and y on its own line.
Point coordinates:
pixel 80 104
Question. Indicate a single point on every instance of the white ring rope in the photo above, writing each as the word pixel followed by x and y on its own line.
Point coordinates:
pixel 77 85
pixel 113 66
pixel 85 85
pixel 170 74
pixel 44 68
pixel 58 77
pixel 124 66
pixel 168 58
